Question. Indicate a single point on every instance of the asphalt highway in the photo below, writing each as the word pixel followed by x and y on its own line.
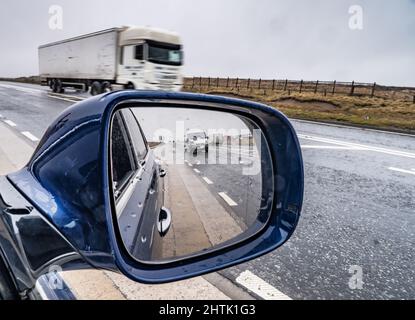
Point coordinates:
pixel 356 236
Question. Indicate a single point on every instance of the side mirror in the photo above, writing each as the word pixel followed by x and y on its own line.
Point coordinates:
pixel 154 209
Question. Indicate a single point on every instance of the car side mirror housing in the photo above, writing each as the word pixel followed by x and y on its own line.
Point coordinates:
pixel 84 182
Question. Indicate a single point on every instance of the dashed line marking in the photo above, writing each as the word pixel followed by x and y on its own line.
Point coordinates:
pixel 228 199
pixel 195 170
pixel 402 170
pixel 30 136
pixel 260 287
pixel 10 123
pixel 207 180
pixel 190 165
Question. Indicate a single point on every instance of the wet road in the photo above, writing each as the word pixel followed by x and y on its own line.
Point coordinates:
pixel 358 218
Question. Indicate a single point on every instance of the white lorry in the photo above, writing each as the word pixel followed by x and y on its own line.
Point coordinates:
pixel 114 59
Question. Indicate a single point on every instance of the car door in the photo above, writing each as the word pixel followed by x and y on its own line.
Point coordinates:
pixel 139 203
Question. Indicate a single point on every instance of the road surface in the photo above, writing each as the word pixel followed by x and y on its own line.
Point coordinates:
pixel 356 236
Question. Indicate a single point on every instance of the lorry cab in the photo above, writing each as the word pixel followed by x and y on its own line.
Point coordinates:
pixel 150 58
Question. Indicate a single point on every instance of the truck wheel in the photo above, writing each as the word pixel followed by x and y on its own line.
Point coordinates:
pixel 106 87
pixel 96 88
pixel 57 86
pixel 129 86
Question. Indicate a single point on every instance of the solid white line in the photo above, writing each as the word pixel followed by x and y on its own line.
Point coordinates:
pixel 401 170
pixel 21 88
pixel 30 136
pixel 60 95
pixel 64 99
pixel 260 287
pixel 10 123
pixel 357 145
pixel 207 180
pixel 195 170
pixel 308 146
pixel 228 199
pixel 351 127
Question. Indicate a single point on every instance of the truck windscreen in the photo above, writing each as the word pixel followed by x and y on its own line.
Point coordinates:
pixel 164 53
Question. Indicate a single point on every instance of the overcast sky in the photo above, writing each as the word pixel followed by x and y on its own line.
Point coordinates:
pixel 294 39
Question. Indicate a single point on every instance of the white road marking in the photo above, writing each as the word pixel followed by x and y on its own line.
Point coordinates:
pixel 22 89
pixel 308 146
pixel 64 99
pixel 190 165
pixel 260 287
pixel 10 123
pixel 30 136
pixel 195 170
pixel 207 180
pixel 402 170
pixel 351 128
pixel 228 199
pixel 357 145
pixel 60 95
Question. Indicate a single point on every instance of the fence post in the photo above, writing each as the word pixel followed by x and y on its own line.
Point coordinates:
pixel 227 83
pixel 315 89
pixel 285 84
pixel 334 87
pixel 193 82
pixel 373 90
pixel 413 101
pixel 249 83
pixel 217 82
pixel 301 85
pixel 273 84
pixel 325 92
pixel 352 89
pixel 208 82
pixel 259 83
pixel 200 82
pixel 237 83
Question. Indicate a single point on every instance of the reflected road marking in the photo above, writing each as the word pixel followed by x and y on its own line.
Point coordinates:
pixel 207 180
pixel 228 199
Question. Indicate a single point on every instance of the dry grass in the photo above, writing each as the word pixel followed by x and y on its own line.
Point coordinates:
pixel 380 113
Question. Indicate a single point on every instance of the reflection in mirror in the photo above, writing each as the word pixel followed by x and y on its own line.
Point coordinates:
pixel 187 180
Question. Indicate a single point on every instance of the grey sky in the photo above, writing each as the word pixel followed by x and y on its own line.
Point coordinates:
pixel 247 38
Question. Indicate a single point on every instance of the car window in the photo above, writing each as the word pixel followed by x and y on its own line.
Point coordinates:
pixel 139 144
pixel 121 154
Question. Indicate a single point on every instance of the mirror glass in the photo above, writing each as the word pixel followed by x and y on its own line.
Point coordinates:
pixel 187 180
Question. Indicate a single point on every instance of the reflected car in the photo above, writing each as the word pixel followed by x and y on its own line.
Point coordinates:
pixel 196 140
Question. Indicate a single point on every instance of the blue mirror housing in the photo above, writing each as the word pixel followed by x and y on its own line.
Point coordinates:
pixel 67 181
